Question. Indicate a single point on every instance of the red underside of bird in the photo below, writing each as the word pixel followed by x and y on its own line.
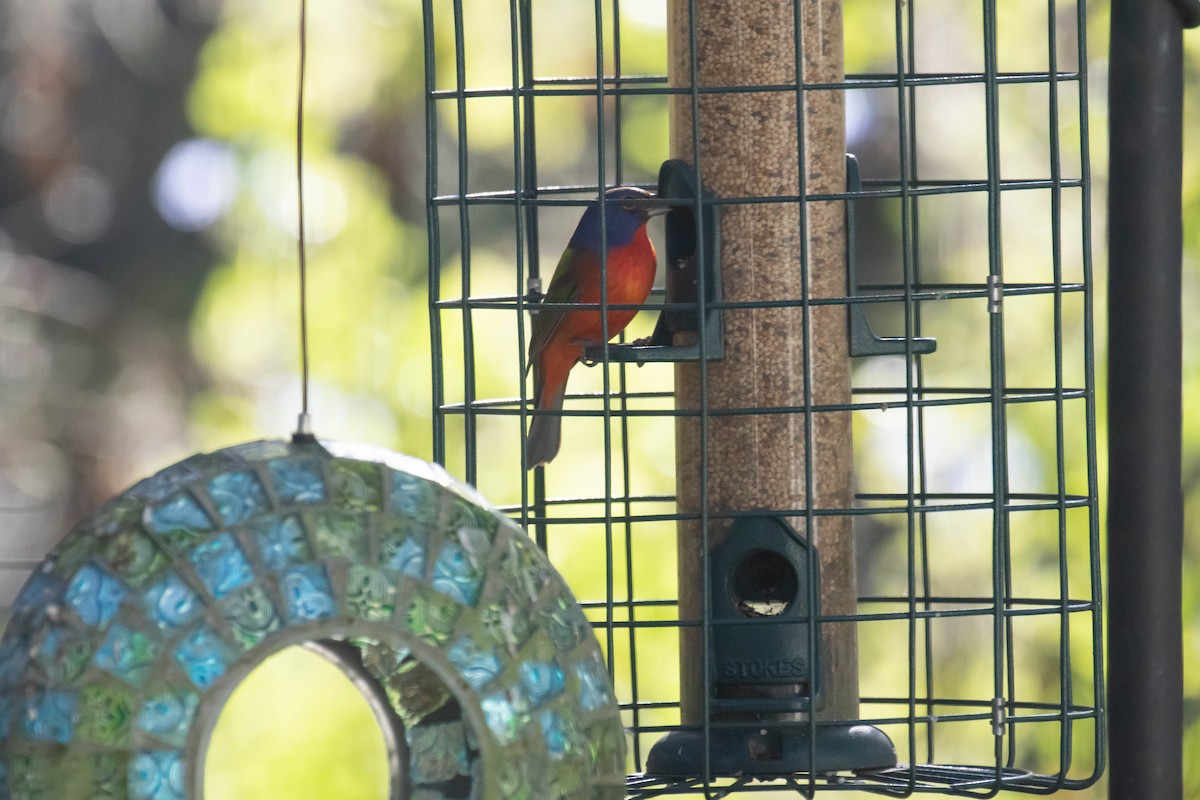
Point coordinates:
pixel 560 335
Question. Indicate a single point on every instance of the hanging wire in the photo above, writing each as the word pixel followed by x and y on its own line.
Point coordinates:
pixel 304 422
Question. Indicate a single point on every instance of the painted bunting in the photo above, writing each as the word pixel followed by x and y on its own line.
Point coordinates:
pixel 560 335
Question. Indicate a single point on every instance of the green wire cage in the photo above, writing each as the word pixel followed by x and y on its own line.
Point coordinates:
pixel 921 506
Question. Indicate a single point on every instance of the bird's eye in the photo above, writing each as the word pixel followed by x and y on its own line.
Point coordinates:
pixel 629 207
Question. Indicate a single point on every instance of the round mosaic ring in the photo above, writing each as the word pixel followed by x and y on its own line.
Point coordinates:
pixel 125 643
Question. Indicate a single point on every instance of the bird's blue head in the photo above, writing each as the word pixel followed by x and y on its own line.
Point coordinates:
pixel 626 209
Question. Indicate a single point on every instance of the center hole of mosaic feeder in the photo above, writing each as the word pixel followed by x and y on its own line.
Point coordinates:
pixel 297 728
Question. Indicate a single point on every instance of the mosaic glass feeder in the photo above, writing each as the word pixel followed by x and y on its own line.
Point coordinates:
pixel 125 643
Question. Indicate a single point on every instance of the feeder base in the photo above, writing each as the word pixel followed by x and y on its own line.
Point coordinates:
pixel 772 752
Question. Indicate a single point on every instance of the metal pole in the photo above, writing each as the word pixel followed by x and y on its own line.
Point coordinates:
pixel 748 145
pixel 1145 503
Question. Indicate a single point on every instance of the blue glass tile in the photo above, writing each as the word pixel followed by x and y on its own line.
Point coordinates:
pixel 14 656
pixel 542 681
pixel 8 706
pixel 204 657
pixel 94 595
pixel 156 776
pixel 413 498
pixel 478 667
pixel 50 715
pixel 506 712
pixel 297 480
pixel 171 603
pixel 61 652
pixel 403 547
pixel 180 514
pixel 163 484
pixel 307 593
pixel 436 753
pixel 281 542
pixel 261 450
pixel 126 654
pixel 594 686
pixel 557 735
pixel 167 715
pixel 457 575
pixel 38 593
pixel 238 496
pixel 221 565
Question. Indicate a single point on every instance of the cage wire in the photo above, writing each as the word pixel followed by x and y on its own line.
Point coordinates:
pixel 972 639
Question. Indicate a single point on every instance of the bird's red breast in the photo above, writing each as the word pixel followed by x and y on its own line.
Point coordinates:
pixel 630 275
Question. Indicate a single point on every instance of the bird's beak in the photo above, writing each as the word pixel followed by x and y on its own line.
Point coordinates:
pixel 658 211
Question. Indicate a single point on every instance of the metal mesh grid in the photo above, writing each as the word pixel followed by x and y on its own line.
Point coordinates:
pixel 975 513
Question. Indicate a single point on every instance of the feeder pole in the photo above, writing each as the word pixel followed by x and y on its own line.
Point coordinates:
pixel 1145 501
pixel 746 145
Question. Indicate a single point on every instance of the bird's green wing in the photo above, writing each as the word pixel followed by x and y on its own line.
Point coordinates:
pixel 564 288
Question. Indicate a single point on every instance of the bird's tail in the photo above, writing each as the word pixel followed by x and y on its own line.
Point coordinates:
pixel 545 431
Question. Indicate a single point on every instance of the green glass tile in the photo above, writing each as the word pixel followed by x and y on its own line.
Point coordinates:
pixel 341 534
pixel 356 484
pixel 436 752
pixel 524 567
pixel 512 779
pixel 566 779
pixel 563 622
pixel 370 593
pixel 105 714
pixel 606 746
pixel 432 615
pixel 251 615
pixel 212 463
pixel 467 515
pixel 123 511
pixel 71 554
pixel 416 693
pixel 135 557
pixel 506 619
pixel 32 776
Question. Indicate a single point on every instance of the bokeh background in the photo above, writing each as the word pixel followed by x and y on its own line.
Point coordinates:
pixel 148 270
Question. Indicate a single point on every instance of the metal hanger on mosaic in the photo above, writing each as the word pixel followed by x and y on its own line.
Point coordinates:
pixel 473 654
